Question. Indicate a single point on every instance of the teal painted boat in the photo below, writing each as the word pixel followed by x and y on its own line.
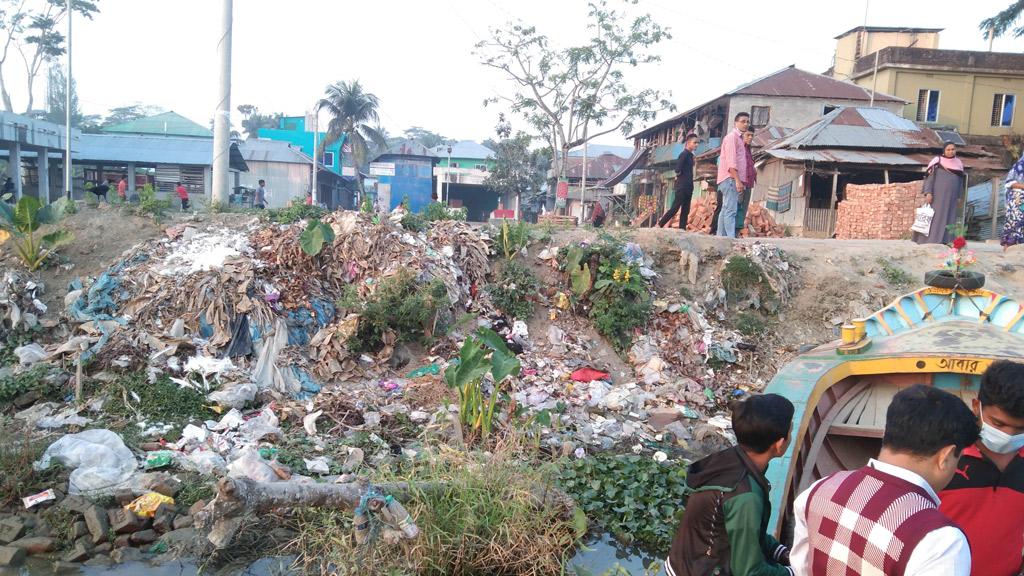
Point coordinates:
pixel 935 336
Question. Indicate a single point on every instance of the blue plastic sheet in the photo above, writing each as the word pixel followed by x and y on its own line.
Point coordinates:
pixel 304 323
pixel 309 386
pixel 100 301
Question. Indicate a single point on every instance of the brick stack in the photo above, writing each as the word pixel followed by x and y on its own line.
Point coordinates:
pixel 878 211
pixel 759 222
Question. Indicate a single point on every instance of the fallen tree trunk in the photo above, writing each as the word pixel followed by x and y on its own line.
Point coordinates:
pixel 237 497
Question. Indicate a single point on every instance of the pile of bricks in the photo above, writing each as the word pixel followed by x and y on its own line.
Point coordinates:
pixel 878 211
pixel 758 223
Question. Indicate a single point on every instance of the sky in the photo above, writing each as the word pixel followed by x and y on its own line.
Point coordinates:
pixel 418 57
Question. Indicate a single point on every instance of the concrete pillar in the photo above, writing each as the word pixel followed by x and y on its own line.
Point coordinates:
pixel 14 168
pixel 43 166
pixel 208 183
pixel 440 188
pixel 131 180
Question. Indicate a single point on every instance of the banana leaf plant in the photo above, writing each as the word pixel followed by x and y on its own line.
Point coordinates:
pixel 482 352
pixel 20 223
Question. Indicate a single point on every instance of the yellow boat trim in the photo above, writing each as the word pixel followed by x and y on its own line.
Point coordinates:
pixel 988 311
pixel 1009 325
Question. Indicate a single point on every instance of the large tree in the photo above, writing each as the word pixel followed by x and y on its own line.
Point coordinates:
pixel 1001 23
pixel 32 28
pixel 56 103
pixel 129 112
pixel 354 117
pixel 426 137
pixel 516 171
pixel 574 94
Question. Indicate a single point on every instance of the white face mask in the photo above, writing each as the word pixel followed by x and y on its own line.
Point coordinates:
pixel 998 441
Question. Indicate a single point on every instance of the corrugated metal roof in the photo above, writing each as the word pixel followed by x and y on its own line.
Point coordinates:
pixel 464 149
pixel 165 124
pixel 791 81
pixel 870 128
pixel 603 166
pixel 833 155
pixel 145 149
pixel 264 150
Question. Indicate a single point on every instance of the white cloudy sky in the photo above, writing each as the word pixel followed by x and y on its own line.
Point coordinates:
pixel 418 56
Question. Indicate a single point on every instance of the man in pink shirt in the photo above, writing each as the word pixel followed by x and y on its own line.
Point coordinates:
pixel 732 173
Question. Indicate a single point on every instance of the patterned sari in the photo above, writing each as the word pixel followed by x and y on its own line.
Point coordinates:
pixel 1013 229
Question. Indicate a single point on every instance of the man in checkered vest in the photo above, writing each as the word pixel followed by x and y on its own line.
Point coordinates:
pixel 884 518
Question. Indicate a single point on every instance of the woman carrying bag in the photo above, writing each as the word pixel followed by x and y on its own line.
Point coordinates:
pixel 942 189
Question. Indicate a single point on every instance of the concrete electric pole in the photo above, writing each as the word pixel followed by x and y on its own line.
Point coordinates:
pixel 222 115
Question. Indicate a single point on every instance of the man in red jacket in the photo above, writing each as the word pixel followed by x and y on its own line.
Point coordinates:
pixel 986 495
pixel 183 196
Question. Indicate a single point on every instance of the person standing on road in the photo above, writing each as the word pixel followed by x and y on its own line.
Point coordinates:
pixel 748 184
pixel 683 185
pixel 1013 229
pixel 732 168
pixel 942 189
pixel 183 196
pixel 260 200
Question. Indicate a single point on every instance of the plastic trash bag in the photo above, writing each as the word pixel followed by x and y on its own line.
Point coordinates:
pixel 204 462
pixel 250 464
pixel 234 395
pixel 30 354
pixel 146 505
pixel 101 461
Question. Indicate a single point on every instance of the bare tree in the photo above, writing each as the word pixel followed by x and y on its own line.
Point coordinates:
pixel 572 95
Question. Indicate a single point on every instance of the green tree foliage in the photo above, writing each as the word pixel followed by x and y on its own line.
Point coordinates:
pixel 1002 23
pixel 129 112
pixel 354 117
pixel 516 171
pixel 253 120
pixel 426 137
pixel 56 103
pixel 574 94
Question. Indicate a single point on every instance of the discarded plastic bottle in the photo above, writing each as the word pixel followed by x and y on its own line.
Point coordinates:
pixel 405 522
pixel 361 526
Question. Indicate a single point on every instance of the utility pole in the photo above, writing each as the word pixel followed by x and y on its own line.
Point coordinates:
pixel 222 115
pixel 448 177
pixel 316 149
pixel 874 80
pixel 67 116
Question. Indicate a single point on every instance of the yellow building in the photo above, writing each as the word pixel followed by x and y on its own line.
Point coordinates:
pixel 975 92
pixel 861 41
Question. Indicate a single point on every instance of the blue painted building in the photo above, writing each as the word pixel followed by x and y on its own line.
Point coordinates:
pixel 292 129
pixel 406 170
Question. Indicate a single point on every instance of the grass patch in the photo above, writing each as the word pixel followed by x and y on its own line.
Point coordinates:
pixel 512 289
pixel 751 324
pixel 742 277
pixel 635 498
pixel 299 210
pixel 18 451
pixel 12 340
pixel 893 274
pixel 194 487
pixel 484 521
pixel 38 378
pixel 133 395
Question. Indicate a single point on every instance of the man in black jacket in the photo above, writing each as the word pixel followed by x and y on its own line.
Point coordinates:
pixel 683 185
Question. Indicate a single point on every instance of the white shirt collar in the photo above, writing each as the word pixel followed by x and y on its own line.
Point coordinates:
pixel 905 474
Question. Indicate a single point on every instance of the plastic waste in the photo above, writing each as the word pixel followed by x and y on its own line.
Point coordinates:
pixel 235 395
pixel 30 354
pixel 233 419
pixel 101 461
pixel 318 465
pixel 203 462
pixel 263 425
pixel 147 504
pixel 430 369
pixel 250 464
pixel 588 375
pixel 159 459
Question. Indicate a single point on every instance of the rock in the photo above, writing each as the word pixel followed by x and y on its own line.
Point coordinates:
pixel 78 553
pixel 75 504
pixel 65 567
pixel 124 496
pixel 124 521
pixel 127 554
pixel 197 507
pixel 162 483
pixel 27 399
pixel 143 537
pixel 182 522
pixel 660 418
pixel 163 519
pixel 96 519
pixel 103 548
pixel 11 529
pixel 10 556
pixel 100 561
pixel 678 431
pixel 79 529
pixel 36 544
pixel 122 541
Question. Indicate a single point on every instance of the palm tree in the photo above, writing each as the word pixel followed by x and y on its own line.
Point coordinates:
pixel 1001 23
pixel 354 117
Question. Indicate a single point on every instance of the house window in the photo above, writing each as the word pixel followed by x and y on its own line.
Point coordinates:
pixel 759 115
pixel 327 160
pixel 481 167
pixel 1002 109
pixel 827 109
pixel 927 105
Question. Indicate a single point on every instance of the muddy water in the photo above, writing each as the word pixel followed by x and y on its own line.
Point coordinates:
pixel 603 553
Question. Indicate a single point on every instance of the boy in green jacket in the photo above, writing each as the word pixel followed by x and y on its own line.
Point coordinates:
pixel 724 527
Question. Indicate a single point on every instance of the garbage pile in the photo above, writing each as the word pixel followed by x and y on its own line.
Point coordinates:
pixel 231 311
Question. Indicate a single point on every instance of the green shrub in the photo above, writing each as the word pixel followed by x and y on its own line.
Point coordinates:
pixel 132 395
pixel 512 289
pixel 631 496
pixel 401 305
pixel 751 324
pixel 440 211
pixel 298 210
pixel 414 222
pixel 33 379
pixel 150 205
pixel 513 238
pixel 742 277
pixel 893 274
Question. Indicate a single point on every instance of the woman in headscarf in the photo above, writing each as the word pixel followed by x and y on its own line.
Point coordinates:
pixel 1013 229
pixel 942 189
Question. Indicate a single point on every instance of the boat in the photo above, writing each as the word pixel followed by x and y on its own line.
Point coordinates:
pixel 945 337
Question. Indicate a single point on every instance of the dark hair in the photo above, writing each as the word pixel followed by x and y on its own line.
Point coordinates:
pixel 179 182
pixel 741 115
pixel 262 181
pixel 1002 385
pixel 691 136
pixel 921 420
pixel 762 420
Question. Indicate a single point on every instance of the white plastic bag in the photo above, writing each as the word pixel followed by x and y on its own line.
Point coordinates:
pixel 101 461
pixel 203 461
pixel 234 395
pixel 250 464
pixel 923 219
pixel 30 354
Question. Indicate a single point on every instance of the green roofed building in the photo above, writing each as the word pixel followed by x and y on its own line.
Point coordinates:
pixel 165 124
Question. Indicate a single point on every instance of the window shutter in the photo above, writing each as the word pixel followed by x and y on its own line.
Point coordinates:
pixel 997 109
pixel 922 105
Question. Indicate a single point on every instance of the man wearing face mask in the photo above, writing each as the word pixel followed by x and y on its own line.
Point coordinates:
pixel 986 496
